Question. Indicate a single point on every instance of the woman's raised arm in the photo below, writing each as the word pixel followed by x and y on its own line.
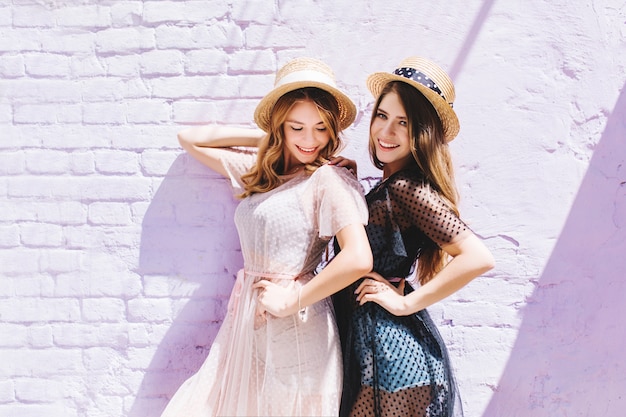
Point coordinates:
pixel 208 143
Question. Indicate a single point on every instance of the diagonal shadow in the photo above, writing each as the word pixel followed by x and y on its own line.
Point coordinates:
pixel 568 359
pixel 470 39
pixel 189 256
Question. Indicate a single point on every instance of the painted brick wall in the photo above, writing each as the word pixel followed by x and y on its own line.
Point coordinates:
pixel 118 252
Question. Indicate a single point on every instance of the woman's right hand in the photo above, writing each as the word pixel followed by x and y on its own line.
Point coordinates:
pixel 275 299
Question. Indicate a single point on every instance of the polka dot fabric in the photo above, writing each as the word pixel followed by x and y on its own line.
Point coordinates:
pixel 406 215
pixel 398 366
pixel 420 77
pixel 277 366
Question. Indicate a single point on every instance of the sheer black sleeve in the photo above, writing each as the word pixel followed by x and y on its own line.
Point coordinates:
pixel 415 203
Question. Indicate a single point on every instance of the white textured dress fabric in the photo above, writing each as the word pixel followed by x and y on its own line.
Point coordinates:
pixel 277 366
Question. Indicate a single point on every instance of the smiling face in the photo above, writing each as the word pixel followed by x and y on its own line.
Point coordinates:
pixel 390 136
pixel 305 134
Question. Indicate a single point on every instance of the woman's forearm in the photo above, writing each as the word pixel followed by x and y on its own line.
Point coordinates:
pixel 209 144
pixel 473 260
pixel 351 263
pixel 215 136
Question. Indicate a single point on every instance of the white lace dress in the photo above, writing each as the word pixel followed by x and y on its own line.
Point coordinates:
pixel 277 366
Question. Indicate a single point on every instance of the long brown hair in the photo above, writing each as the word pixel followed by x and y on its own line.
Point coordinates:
pixel 431 156
pixel 264 176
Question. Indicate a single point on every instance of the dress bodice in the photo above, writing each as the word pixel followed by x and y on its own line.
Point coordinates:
pixel 407 215
pixel 276 232
pixel 286 230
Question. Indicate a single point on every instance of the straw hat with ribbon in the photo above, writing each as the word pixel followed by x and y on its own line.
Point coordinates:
pixel 300 73
pixel 431 81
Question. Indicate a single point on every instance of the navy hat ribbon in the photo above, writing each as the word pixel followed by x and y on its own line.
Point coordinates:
pixel 420 77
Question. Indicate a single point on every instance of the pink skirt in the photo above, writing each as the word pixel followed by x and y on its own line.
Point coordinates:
pixel 266 367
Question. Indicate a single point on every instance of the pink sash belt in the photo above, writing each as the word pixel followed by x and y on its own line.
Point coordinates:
pixel 270 275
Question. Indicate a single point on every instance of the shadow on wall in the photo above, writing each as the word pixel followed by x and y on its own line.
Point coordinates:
pixel 189 256
pixel 470 38
pixel 568 359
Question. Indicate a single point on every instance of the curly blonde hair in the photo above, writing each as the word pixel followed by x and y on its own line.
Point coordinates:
pixel 264 176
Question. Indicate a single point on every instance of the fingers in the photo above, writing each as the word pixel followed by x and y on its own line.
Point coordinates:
pixel 362 299
pixel 260 305
pixel 262 284
pixel 373 285
pixel 261 315
pixel 375 276
pixel 362 285
pixel 342 162
pixel 370 287
pixel 366 298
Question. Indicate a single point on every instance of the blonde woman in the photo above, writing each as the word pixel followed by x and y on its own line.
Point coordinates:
pixel 277 352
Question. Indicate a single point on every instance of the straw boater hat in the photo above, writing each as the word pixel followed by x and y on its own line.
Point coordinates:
pixel 300 73
pixel 431 81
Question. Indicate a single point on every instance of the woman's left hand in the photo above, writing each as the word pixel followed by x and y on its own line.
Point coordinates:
pixel 276 300
pixel 349 164
pixel 377 289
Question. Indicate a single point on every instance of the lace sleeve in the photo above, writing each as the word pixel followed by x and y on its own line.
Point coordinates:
pixel 416 203
pixel 236 163
pixel 339 200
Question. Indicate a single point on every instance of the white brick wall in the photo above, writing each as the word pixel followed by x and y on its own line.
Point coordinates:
pixel 118 252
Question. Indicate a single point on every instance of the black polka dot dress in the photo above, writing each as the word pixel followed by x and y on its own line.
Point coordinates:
pixel 398 366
